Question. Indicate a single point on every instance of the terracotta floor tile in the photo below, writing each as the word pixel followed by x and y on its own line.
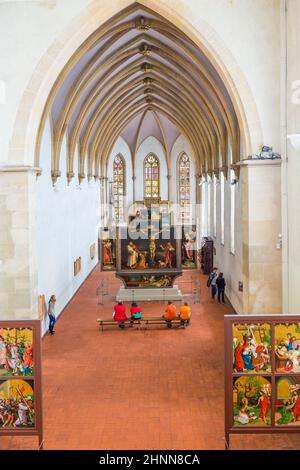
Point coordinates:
pixel 154 389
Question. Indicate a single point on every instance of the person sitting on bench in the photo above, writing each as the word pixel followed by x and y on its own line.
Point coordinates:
pixel 170 313
pixel 135 312
pixel 119 314
pixel 185 314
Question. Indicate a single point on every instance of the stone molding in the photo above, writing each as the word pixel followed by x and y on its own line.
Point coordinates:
pixel 20 169
pixel 260 162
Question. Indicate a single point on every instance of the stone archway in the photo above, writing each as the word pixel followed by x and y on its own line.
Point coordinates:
pixel 21 270
pixel 67 44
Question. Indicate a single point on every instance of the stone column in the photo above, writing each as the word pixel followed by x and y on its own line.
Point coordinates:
pixel 133 187
pixel 18 267
pixel 262 260
pixel 169 188
pixel 198 215
pixel 102 203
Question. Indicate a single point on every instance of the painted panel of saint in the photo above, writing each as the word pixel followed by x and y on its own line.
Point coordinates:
pixel 287 401
pixel 16 352
pixel 16 404
pixel 251 401
pixel 287 348
pixel 108 254
pixel 188 248
pixel 251 348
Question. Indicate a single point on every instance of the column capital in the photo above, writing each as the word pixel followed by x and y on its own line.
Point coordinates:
pixel 236 168
pixel 55 174
pixel 224 170
pixel 81 177
pixel 70 175
pixel 216 172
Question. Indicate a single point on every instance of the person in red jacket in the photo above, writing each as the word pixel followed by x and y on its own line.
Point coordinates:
pixel 119 314
pixel 135 313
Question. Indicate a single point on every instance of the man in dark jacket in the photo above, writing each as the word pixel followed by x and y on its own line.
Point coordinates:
pixel 211 282
pixel 221 287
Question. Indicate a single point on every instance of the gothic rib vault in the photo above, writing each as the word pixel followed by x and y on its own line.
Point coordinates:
pixel 137 63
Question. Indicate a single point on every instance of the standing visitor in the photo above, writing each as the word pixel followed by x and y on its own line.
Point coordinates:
pixel 51 314
pixel 170 313
pixel 221 287
pixel 185 314
pixel 119 314
pixel 212 283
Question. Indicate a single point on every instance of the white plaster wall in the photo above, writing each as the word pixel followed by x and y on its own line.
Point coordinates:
pixel 180 145
pixel 27 29
pixel 66 228
pixel 150 145
pixel 291 166
pixel 122 147
pixel 248 29
pixel 228 263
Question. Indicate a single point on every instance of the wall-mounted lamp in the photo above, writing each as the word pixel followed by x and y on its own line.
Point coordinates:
pixel 295 141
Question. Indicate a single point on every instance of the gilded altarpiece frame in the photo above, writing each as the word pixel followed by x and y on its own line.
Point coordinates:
pixel 262 374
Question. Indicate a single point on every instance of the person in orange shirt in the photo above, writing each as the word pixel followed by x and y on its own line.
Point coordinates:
pixel 170 313
pixel 185 314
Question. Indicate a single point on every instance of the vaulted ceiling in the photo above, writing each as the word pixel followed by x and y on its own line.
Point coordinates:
pixel 136 72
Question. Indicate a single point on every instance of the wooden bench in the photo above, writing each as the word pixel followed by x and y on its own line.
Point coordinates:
pixel 160 321
pixel 143 321
pixel 110 321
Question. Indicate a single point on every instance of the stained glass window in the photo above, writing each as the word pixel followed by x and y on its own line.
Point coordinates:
pixel 119 186
pixel 151 166
pixel 184 167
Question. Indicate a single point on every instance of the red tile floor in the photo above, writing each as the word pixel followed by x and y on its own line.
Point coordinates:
pixel 131 389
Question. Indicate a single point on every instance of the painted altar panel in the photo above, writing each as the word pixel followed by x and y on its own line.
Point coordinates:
pixel 251 399
pixel 17 404
pixel 108 252
pixel 148 248
pixel 148 280
pixel 251 347
pixel 287 404
pixel 16 352
pixel 262 378
pixel 189 247
pixel 20 378
pixel 287 347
